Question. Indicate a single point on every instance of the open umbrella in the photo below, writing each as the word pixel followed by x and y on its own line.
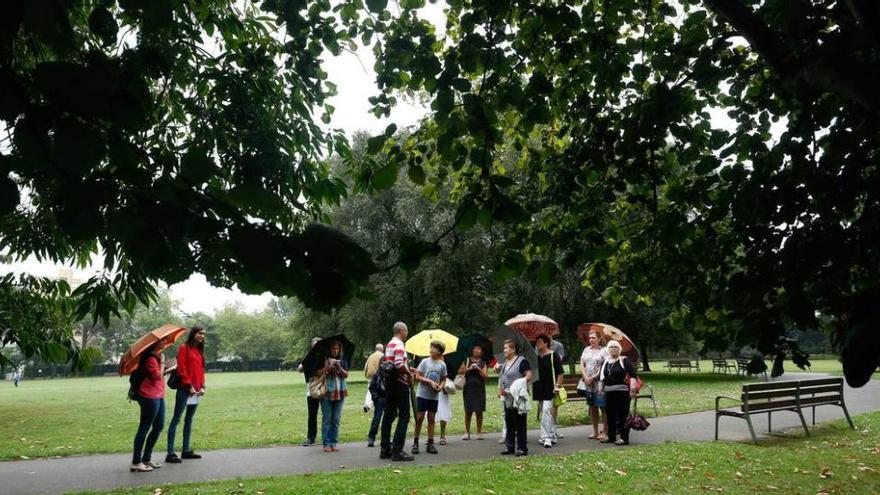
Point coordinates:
pixel 525 348
pixel 130 361
pixel 532 325
pixel 420 343
pixel 463 351
pixel 314 359
pixel 628 348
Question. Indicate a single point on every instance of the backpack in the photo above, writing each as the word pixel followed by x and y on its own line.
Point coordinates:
pixel 379 382
pixel 137 378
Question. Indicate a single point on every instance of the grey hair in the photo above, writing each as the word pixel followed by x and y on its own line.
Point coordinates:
pixel 380 347
pixel 399 327
pixel 614 343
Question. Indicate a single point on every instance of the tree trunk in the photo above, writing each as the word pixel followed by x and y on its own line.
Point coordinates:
pixel 645 365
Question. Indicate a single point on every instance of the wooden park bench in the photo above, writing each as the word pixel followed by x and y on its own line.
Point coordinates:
pixel 723 366
pixel 742 368
pixel 215 370
pixel 570 382
pixel 794 396
pixel 682 364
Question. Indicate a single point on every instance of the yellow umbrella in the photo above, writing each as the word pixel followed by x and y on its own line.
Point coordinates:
pixel 420 343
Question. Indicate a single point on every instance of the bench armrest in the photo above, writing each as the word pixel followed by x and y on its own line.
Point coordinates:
pixel 718 399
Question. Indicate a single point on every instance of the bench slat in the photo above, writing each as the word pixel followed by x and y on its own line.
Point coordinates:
pixel 792 384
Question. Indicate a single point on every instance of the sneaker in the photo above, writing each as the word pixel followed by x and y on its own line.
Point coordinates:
pixel 402 457
pixel 190 455
pixel 521 453
pixel 431 449
pixel 308 442
pixel 506 452
pixel 371 442
pixel 384 454
pixel 547 444
pixel 172 459
pixel 153 464
pixel 415 448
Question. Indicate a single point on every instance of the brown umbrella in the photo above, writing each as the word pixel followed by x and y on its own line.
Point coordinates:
pixel 130 361
pixel 609 332
pixel 531 325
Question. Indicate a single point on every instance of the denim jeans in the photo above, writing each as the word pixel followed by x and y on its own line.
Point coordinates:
pixel 378 408
pixel 152 421
pixel 397 406
pixel 331 415
pixel 179 406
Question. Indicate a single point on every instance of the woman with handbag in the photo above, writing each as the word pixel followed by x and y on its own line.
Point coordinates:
pixel 592 359
pixel 335 371
pixel 618 378
pixel 472 376
pixel 547 387
pixel 189 380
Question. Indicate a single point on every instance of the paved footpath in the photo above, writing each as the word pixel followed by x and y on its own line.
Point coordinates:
pixel 104 472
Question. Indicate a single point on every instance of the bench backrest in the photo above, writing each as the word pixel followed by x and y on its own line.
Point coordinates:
pixel 792 393
pixel 719 361
pixel 680 361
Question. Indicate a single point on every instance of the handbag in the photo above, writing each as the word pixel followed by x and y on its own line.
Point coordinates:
pixel 449 387
pixel 460 379
pixel 582 388
pixel 560 397
pixel 636 422
pixel 318 387
pixel 174 381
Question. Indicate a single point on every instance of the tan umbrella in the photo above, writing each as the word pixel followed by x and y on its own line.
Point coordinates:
pixel 130 361
pixel 610 332
pixel 531 325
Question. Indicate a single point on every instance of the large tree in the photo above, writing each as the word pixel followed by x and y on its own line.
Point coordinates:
pixel 725 154
pixel 164 138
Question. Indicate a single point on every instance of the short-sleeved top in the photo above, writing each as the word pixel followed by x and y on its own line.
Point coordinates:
pixel 543 388
pixel 592 360
pixel 614 374
pixel 432 370
pixel 510 372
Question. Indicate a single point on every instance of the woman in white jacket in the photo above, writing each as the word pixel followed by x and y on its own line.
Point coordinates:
pixel 515 368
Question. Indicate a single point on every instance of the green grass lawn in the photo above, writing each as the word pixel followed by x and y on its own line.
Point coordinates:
pixel 835 459
pixel 75 416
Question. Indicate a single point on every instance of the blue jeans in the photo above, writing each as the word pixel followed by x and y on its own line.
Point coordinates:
pixel 378 407
pixel 152 421
pixel 331 414
pixel 179 405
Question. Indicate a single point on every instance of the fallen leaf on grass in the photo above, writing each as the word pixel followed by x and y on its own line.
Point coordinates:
pixel 686 468
pixel 24 457
pixel 618 471
pixel 866 468
pixel 396 471
pixel 490 491
pixel 826 473
pixel 772 487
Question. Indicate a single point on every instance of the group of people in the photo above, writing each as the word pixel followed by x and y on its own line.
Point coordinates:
pixel 608 381
pixel 148 390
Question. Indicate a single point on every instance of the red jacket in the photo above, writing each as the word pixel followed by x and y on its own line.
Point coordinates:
pixel 191 367
pixel 153 386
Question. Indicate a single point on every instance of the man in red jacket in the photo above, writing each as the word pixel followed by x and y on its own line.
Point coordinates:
pixel 191 368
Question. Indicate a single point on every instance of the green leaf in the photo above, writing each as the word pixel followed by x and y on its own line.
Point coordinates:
pixel 390 130
pixel 9 195
pixel 102 23
pixel 197 166
pixel 376 6
pixel 416 174
pixel 386 176
pixel 375 144
pixel 257 201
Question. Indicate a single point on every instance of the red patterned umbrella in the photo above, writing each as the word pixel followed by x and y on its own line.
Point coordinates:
pixel 628 348
pixel 531 325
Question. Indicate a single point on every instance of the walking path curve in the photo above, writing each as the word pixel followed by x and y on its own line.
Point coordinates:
pixel 104 472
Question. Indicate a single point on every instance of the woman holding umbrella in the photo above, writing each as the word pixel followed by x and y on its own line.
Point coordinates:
pixel 335 371
pixel 150 394
pixel 475 374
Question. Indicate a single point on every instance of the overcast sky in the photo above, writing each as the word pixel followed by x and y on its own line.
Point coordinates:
pixel 355 79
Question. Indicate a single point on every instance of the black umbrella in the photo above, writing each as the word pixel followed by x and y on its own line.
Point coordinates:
pixel 314 360
pixel 463 351
pixel 526 350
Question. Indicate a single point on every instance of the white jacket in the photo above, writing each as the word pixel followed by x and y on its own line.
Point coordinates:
pixel 518 396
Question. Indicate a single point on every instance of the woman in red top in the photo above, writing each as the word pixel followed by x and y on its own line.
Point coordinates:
pixel 151 399
pixel 191 368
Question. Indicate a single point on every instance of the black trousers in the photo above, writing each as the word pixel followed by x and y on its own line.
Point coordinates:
pixel 617 409
pixel 516 430
pixel 314 405
pixel 397 406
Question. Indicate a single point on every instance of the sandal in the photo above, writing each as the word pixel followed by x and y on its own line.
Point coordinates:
pixel 480 436
pixel 442 440
pixel 140 468
pixel 619 442
pixel 466 436
pixel 592 436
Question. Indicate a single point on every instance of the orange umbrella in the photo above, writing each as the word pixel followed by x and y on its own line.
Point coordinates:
pixel 130 361
pixel 532 325
pixel 627 347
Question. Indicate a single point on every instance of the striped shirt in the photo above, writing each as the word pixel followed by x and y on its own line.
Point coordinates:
pixel 396 351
